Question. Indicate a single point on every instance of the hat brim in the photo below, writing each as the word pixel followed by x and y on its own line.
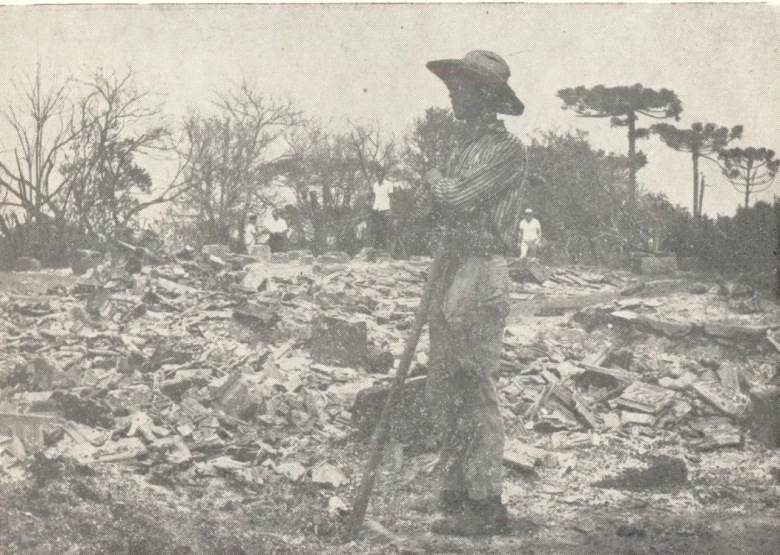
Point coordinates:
pixel 458 71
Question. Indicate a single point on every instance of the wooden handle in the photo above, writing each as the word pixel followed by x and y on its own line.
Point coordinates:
pixel 382 430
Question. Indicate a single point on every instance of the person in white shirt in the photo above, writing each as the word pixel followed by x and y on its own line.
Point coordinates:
pixel 530 234
pixel 276 226
pixel 250 232
pixel 380 210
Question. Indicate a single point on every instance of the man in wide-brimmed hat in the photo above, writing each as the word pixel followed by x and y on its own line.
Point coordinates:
pixel 476 203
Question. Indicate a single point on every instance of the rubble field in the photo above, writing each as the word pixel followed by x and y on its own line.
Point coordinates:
pixel 217 403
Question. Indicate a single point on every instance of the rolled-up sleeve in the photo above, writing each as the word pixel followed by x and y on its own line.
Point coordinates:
pixel 422 201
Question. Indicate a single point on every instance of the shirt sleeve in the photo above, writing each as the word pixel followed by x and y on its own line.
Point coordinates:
pixel 483 182
pixel 422 201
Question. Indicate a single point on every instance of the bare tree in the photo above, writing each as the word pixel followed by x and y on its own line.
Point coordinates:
pixel 232 158
pixel 43 126
pixel 107 186
pixel 332 176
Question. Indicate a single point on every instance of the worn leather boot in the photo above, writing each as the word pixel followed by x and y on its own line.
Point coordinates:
pixel 448 502
pixel 452 502
pixel 477 518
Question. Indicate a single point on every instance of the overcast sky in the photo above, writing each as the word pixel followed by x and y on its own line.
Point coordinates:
pixel 367 62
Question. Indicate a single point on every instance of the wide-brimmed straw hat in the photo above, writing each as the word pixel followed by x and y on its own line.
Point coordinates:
pixel 483 67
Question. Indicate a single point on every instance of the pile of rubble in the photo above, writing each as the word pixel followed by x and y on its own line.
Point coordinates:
pixel 214 363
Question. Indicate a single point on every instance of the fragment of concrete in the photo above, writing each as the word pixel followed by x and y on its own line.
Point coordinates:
pixel 412 419
pixel 663 327
pixel 523 457
pixel 717 432
pixel 735 331
pixel 336 340
pixel 765 417
pixel 336 257
pixel 293 470
pixel 326 474
pixel 29 429
pixel 731 403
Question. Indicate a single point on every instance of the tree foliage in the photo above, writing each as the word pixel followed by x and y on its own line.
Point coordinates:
pixel 578 193
pixel 702 141
pixel 431 142
pixel 750 170
pixel 623 105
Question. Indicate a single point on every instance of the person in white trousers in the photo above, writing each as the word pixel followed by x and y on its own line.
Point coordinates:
pixel 530 235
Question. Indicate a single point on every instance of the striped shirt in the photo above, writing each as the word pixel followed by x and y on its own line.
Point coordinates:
pixel 481 193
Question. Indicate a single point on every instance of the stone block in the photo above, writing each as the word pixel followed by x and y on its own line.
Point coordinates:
pixel 378 360
pixel 765 417
pixel 650 265
pixel 338 341
pixel 412 418
pixel 256 277
pixel 260 252
pixel 27 264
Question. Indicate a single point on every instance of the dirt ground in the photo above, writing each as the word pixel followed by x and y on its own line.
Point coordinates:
pixel 730 502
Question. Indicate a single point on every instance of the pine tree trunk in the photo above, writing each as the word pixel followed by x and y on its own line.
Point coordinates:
pixel 631 208
pixel 696 205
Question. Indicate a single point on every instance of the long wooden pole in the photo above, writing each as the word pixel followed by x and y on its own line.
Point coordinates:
pixel 382 430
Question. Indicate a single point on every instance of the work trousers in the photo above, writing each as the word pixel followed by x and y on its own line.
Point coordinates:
pixel 528 248
pixel 466 325
pixel 276 242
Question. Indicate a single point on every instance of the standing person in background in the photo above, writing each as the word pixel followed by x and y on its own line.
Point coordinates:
pixel 276 226
pixel 530 235
pixel 250 232
pixel 477 205
pixel 380 209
